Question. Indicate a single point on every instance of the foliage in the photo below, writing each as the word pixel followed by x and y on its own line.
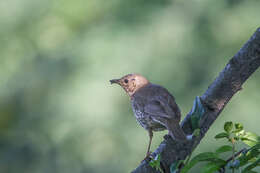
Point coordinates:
pixel 155 163
pixel 196 113
pixel 245 160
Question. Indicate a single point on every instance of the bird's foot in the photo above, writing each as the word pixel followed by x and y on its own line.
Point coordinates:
pixel 148 157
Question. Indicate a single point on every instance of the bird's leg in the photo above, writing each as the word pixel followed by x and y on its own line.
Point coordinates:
pixel 150 141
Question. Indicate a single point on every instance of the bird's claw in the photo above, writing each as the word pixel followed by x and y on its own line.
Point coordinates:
pixel 148 157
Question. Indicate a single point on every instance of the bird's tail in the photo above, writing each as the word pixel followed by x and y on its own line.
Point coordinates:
pixel 176 132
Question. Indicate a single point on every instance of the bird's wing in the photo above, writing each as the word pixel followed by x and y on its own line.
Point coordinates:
pixel 157 108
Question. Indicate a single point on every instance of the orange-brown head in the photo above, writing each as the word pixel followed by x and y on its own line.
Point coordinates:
pixel 131 83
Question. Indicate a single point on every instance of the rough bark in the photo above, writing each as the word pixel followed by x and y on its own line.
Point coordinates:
pixel 230 80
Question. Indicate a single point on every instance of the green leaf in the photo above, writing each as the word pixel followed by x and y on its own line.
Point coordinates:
pixel 251 166
pixel 244 159
pixel 257 146
pixel 222 135
pixel 175 166
pixel 228 126
pixel 239 127
pixel 194 122
pixel 224 148
pixel 155 163
pixel 210 168
pixel 152 164
pixel 206 156
pixel 250 138
pixel 173 169
pixel 196 113
pixel 248 142
pixel 196 132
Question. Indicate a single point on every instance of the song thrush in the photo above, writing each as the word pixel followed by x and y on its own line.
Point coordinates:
pixel 153 106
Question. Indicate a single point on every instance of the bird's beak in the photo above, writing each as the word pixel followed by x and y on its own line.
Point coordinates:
pixel 114 81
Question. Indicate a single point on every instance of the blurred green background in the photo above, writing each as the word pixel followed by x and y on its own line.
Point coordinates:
pixel 58 112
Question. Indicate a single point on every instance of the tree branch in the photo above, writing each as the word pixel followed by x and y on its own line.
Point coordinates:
pixel 229 81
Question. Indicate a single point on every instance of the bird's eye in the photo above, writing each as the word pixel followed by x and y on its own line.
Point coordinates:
pixel 126 80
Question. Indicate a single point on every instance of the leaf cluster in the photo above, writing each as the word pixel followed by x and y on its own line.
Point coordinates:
pixel 244 160
pixel 155 163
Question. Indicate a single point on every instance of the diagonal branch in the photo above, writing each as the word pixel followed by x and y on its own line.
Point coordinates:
pixel 229 81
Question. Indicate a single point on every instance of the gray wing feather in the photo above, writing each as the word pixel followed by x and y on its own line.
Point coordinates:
pixel 157 108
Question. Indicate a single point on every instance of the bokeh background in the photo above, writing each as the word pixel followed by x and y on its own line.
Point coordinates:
pixel 58 112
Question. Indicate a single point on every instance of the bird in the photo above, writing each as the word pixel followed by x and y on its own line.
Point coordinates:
pixel 154 107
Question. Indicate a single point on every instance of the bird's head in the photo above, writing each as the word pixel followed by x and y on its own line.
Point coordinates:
pixel 131 83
